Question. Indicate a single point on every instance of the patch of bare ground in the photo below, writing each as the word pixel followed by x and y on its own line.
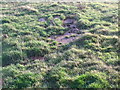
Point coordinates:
pixel 64 39
pixel 37 58
pixel 71 35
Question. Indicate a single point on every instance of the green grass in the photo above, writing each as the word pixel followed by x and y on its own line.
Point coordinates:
pixel 90 62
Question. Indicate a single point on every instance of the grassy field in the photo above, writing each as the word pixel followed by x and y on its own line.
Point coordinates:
pixel 60 45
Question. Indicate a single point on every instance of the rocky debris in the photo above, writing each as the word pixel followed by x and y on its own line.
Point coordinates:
pixel 42 20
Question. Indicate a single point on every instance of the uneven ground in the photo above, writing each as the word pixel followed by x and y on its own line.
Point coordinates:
pixel 60 45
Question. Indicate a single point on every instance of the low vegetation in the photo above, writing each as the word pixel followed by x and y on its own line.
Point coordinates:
pixel 33 58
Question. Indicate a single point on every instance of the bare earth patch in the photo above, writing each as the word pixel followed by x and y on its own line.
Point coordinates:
pixel 71 35
pixel 66 38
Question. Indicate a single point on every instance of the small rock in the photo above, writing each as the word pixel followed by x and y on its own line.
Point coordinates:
pixel 68 21
pixel 42 20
